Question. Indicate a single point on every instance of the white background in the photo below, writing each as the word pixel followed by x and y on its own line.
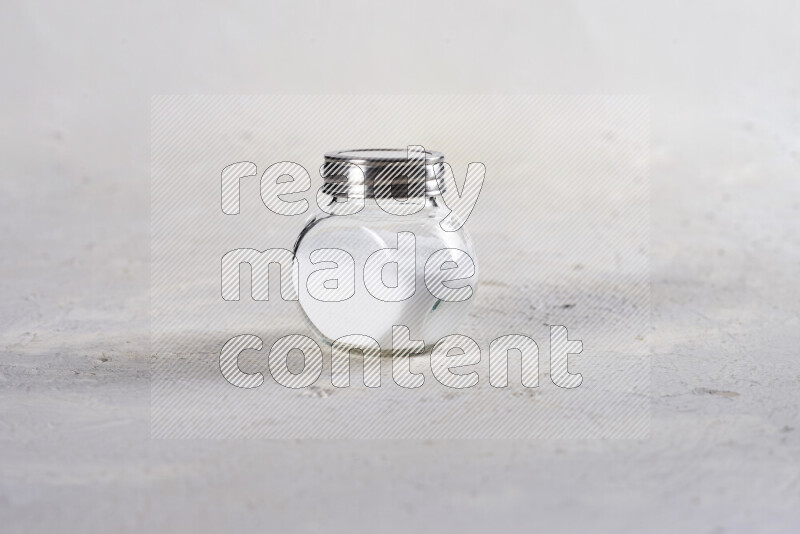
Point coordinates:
pixel 74 382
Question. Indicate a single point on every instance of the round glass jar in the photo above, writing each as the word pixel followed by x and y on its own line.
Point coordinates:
pixel 378 257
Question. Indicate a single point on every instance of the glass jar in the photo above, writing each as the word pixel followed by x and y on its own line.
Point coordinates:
pixel 378 257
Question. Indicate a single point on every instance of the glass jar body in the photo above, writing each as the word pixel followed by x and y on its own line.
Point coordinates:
pixel 370 313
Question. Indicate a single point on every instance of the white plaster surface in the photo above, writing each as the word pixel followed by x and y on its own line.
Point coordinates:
pixel 724 451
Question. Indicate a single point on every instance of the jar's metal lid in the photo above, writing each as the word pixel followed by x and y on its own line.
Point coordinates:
pixel 383 156
pixel 382 172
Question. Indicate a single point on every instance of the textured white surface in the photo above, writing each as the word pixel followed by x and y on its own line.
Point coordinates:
pixel 74 381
